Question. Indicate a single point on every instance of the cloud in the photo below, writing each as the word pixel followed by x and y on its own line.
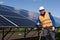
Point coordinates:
pixel 1 2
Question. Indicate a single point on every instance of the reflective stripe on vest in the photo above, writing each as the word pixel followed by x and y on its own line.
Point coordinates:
pixel 45 20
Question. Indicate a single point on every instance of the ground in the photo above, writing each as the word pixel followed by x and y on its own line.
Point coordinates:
pixel 18 35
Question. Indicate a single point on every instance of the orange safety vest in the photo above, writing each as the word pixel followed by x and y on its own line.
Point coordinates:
pixel 45 20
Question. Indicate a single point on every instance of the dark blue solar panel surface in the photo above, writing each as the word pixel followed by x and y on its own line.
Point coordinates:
pixel 21 18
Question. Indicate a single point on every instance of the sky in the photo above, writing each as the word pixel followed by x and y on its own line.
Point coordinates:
pixel 52 6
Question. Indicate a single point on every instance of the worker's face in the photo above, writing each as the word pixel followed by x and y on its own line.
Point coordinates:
pixel 42 11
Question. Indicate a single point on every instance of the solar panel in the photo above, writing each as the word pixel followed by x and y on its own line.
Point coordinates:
pixel 11 17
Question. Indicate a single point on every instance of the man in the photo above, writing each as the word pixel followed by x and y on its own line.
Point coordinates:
pixel 48 24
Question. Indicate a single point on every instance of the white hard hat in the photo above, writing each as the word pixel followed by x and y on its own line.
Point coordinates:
pixel 41 8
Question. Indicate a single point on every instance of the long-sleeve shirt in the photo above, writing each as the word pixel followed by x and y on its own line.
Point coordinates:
pixel 51 17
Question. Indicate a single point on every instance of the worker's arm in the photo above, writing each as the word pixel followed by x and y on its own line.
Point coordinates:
pixel 38 23
pixel 53 21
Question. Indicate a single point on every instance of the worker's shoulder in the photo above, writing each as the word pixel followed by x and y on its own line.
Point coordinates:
pixel 48 12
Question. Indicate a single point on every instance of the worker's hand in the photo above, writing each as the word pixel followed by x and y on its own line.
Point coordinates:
pixel 53 28
pixel 38 23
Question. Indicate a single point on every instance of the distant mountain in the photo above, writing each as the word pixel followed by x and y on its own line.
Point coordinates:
pixel 20 17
